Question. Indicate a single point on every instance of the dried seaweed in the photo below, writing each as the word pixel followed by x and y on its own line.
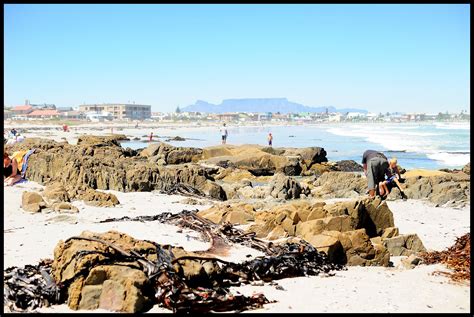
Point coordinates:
pixel 456 257
pixel 172 289
pixel 30 287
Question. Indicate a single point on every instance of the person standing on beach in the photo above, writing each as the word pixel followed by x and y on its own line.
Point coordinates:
pixel 151 136
pixel 224 133
pixel 270 139
pixel 375 167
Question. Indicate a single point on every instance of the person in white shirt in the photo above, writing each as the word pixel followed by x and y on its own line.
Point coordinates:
pixel 224 134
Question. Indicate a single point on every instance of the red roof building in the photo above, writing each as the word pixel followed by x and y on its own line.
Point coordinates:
pixel 22 109
pixel 44 114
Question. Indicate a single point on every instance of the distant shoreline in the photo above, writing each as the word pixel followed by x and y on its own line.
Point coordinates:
pixel 107 125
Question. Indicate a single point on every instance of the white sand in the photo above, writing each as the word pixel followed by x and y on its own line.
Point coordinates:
pixel 358 289
pixel 31 237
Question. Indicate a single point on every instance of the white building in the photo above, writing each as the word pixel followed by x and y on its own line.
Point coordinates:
pixel 334 117
pixel 99 116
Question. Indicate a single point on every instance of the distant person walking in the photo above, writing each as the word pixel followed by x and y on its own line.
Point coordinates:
pixel 270 139
pixel 151 136
pixel 224 134
pixel 375 167
pixel 13 132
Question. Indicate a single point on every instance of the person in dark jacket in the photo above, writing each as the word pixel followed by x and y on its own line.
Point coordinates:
pixel 375 167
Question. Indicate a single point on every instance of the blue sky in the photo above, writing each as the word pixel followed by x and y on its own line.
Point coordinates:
pixel 377 57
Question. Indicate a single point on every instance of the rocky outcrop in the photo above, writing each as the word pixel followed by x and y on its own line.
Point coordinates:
pixel 284 187
pixel 56 197
pixel 467 168
pixel 406 244
pixel 163 153
pixel 93 197
pixel 446 189
pixel 102 140
pixel 239 214
pixel 99 276
pixel 55 192
pixel 349 166
pixel 262 161
pixel 342 230
pixel 108 166
pixel 351 247
pixel 32 202
pixel 339 185
pixel 439 188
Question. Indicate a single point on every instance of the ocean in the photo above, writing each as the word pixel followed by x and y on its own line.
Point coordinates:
pixel 416 145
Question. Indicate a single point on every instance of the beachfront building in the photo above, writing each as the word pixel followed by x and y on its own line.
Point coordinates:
pixel 7 113
pixel 72 115
pixel 64 109
pixel 22 110
pixel 120 111
pixel 99 116
pixel 44 106
pixel 231 116
pixel 43 114
pixel 334 117
pixel 267 116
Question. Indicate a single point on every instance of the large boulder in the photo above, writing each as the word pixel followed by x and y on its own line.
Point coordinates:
pixel 263 160
pixel 310 228
pixel 284 187
pixel 339 185
pixel 183 155
pixel 440 188
pixel 467 168
pixel 349 166
pixel 32 202
pixel 55 193
pixel 309 155
pixel 101 140
pixel 96 274
pixel 350 247
pixel 406 244
pixel 93 197
pixel 169 154
pixel 239 214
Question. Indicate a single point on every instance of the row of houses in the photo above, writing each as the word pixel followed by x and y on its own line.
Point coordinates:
pixel 127 112
pixel 307 117
pixel 93 112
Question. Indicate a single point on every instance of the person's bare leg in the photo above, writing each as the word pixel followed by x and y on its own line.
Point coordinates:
pixel 385 189
pixel 13 180
pixel 381 189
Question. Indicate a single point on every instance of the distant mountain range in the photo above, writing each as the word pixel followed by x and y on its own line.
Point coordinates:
pixel 273 105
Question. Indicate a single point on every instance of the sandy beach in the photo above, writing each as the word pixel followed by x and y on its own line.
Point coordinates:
pixel 32 237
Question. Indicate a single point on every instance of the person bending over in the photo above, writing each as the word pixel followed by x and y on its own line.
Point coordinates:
pixel 375 167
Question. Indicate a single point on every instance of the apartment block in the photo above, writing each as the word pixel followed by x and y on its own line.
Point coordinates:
pixel 120 111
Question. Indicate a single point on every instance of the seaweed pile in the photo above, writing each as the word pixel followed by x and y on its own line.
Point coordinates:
pixel 28 288
pixel 456 257
pixel 172 288
pixel 220 236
